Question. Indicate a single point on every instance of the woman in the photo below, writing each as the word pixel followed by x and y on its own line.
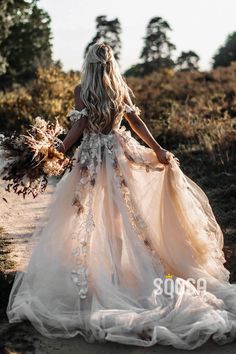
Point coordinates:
pixel 131 251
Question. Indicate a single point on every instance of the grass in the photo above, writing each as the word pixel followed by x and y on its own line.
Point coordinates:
pixel 6 278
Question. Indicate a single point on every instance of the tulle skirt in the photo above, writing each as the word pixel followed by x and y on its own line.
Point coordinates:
pixel 131 253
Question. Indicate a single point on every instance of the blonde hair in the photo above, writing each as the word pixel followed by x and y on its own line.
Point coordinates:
pixel 103 89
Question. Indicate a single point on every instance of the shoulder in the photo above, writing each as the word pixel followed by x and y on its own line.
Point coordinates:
pixel 129 107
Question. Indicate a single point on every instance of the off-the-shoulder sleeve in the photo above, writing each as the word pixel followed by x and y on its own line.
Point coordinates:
pixel 75 115
pixel 133 108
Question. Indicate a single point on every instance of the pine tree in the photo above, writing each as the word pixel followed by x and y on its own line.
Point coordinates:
pixel 26 43
pixel 157 46
pixel 227 53
pixel 6 22
pixel 187 61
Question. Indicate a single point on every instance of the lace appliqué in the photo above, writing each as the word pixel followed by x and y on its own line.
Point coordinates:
pixel 135 152
pixel 89 164
pixel 83 199
pixel 81 239
pixel 75 115
pixel 136 220
pixel 90 157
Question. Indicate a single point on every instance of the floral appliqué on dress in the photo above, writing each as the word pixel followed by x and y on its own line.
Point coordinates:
pixel 89 160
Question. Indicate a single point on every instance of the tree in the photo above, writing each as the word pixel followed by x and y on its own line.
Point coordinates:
pixel 226 53
pixel 26 43
pixel 187 61
pixel 109 32
pixel 157 51
pixel 135 70
pixel 6 21
pixel 157 46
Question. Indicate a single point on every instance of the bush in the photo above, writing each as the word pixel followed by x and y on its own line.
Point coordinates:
pixel 50 95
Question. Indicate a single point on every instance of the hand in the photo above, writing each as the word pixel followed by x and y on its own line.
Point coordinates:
pixel 163 156
pixel 61 148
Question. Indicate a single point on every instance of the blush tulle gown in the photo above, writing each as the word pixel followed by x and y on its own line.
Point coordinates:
pixel 127 245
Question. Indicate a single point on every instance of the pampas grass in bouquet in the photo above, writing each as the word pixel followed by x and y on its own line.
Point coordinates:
pixel 29 159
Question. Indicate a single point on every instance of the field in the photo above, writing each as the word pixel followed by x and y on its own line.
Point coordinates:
pixel 192 114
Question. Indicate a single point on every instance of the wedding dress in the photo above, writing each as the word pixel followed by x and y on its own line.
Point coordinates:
pixel 127 246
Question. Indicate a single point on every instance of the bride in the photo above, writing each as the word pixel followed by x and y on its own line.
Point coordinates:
pixel 131 251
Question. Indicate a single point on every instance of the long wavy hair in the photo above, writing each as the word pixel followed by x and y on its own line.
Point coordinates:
pixel 103 88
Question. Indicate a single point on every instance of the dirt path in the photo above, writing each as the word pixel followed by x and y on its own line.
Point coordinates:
pixel 19 217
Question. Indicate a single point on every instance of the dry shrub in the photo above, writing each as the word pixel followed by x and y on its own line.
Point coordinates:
pixel 49 96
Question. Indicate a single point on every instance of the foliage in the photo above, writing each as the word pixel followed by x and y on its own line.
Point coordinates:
pixel 25 42
pixel 187 61
pixel 7 22
pixel 50 95
pixel 227 53
pixel 142 69
pixel 189 107
pixel 157 51
pixel 156 42
pixel 135 70
pixel 193 107
pixel 109 32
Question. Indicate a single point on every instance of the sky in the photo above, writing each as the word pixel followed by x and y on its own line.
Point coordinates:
pixel 198 25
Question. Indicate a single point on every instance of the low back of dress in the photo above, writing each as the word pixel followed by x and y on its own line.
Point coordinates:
pixel 75 115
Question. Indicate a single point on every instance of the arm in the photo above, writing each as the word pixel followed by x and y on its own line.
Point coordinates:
pixel 73 134
pixel 77 128
pixel 140 128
